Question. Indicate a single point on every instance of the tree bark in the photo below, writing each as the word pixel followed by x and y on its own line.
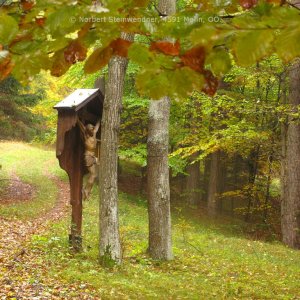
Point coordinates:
pixel 160 240
pixel 109 244
pixel 290 205
pixel 160 245
pixel 212 204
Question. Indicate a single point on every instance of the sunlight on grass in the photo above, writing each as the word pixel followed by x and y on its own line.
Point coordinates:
pixel 33 166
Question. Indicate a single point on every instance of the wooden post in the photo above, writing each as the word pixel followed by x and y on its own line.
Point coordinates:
pixel 70 154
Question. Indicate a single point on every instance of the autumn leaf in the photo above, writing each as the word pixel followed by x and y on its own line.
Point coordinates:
pixel 120 47
pixel 84 30
pixel 27 4
pixel 211 83
pixel 75 52
pixel 6 65
pixel 40 21
pixel 194 58
pixel 60 66
pixel 98 59
pixel 167 48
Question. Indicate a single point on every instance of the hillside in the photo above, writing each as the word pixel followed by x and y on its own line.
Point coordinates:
pixel 213 258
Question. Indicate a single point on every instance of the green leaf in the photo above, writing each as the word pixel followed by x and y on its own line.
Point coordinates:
pixel 178 83
pixel 58 44
pixel 30 65
pixel 62 22
pixel 140 54
pixel 98 59
pixel 219 61
pixel 203 35
pixel 185 81
pixel 153 83
pixel 287 44
pixel 8 29
pixel 252 46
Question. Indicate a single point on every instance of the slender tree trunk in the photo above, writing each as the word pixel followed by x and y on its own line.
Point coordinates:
pixel 160 235
pixel 268 185
pixel 205 177
pixel 109 244
pixel 212 204
pixel 193 182
pixel 290 206
pixel 252 169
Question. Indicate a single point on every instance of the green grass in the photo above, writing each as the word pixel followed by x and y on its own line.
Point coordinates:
pixel 33 166
pixel 213 259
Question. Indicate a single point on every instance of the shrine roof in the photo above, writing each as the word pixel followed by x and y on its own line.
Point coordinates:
pixel 78 99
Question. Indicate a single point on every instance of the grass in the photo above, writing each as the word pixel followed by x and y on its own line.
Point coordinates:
pixel 213 259
pixel 33 166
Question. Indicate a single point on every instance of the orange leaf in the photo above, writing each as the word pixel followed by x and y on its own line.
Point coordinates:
pixel 167 48
pixel 84 30
pixel 194 58
pixel 60 66
pixel 211 83
pixel 6 66
pixel 27 4
pixel 120 47
pixel 40 21
pixel 75 52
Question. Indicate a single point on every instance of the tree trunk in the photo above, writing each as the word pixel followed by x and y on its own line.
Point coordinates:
pixel 212 204
pixel 160 236
pixel 160 246
pixel 252 169
pixel 193 182
pixel 290 206
pixel 109 244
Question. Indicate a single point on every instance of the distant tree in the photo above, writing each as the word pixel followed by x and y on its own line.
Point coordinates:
pixel 17 121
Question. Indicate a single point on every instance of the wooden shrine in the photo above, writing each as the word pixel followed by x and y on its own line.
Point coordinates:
pixel 86 104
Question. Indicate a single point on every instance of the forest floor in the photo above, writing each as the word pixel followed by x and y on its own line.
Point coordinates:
pixel 213 259
pixel 23 272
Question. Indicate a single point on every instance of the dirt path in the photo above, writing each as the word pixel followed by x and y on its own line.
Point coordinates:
pixel 16 191
pixel 23 271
